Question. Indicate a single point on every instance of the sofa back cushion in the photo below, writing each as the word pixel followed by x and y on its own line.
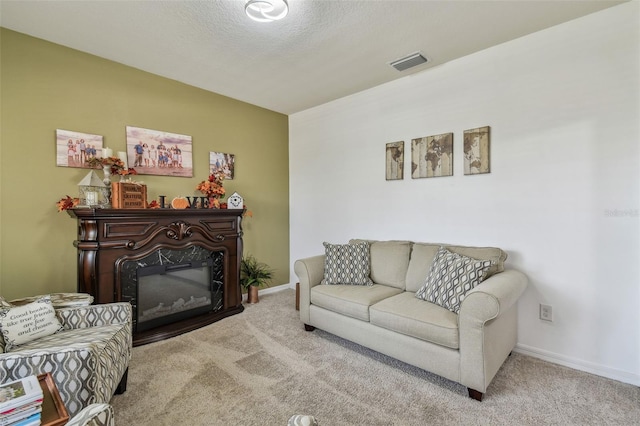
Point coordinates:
pixel 422 255
pixel 389 262
pixel 483 253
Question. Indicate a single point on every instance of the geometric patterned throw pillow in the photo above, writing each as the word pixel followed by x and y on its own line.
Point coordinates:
pixel 22 324
pixel 451 277
pixel 347 264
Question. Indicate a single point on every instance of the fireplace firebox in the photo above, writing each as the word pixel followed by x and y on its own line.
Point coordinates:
pixel 179 269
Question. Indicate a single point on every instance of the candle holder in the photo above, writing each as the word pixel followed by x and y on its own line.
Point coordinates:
pixel 92 192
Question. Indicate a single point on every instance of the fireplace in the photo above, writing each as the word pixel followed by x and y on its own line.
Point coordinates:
pixel 171 285
pixel 179 269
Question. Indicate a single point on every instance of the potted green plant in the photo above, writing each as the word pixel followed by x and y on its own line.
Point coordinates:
pixel 253 275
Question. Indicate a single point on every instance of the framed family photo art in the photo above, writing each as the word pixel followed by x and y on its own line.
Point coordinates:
pixel 154 152
pixel 219 162
pixel 74 149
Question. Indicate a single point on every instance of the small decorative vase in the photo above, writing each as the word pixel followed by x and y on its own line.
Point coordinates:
pixel 252 294
pixel 107 175
pixel 107 183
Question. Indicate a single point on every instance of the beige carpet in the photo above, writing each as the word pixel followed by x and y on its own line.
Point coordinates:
pixel 260 367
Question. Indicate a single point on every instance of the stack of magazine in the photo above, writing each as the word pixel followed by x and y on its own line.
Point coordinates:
pixel 21 402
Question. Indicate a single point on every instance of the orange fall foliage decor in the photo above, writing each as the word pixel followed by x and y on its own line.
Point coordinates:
pixel 213 189
pixel 67 203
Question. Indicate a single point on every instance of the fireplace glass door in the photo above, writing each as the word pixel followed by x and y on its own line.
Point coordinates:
pixel 171 285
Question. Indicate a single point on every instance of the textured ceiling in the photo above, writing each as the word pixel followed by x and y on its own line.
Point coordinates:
pixel 321 51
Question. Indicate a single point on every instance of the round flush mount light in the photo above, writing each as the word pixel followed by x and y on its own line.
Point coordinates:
pixel 266 10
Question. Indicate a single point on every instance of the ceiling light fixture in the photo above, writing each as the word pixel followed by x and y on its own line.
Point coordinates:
pixel 266 10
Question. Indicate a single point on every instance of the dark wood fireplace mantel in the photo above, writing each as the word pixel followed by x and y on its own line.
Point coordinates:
pixel 109 237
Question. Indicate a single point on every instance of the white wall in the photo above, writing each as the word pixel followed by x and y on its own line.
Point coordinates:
pixel 562 197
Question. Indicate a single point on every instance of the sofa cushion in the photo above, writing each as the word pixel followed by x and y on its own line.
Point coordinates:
pixel 450 277
pixel 347 264
pixel 406 314
pixel 421 259
pixel 353 301
pixel 422 255
pixel 22 324
pixel 389 261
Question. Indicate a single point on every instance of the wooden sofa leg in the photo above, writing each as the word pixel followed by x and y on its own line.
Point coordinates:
pixel 308 327
pixel 122 386
pixel 475 394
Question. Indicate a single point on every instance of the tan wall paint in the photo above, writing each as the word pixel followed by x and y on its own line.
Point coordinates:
pixel 45 87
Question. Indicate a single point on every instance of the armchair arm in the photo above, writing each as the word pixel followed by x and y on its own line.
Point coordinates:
pixel 94 415
pixel 310 272
pixel 488 327
pixel 95 315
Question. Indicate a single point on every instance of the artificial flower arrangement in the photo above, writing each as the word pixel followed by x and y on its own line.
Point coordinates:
pixel 213 189
pixel 116 165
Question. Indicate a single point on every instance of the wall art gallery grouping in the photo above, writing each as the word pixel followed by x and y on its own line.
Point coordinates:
pixel 432 156
pixel 149 152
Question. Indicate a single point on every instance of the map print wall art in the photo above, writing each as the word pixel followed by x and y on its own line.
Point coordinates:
pixel 395 160
pixel 432 156
pixel 476 151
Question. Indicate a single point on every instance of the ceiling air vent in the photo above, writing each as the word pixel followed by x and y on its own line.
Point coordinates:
pixel 410 61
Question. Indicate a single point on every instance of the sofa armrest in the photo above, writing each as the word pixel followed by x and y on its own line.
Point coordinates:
pixel 310 272
pixel 95 315
pixel 488 327
pixel 497 294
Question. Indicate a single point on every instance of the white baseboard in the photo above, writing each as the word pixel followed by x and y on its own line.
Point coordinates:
pixel 579 364
pixel 274 289
pixel 270 290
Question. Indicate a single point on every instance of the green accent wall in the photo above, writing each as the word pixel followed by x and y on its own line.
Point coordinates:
pixel 44 87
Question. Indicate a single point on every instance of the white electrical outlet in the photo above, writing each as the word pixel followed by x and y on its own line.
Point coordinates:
pixel 546 312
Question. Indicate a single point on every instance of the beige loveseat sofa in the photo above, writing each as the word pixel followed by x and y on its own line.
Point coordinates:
pixel 467 347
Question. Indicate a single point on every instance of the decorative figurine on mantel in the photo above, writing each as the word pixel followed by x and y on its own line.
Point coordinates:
pixel 235 201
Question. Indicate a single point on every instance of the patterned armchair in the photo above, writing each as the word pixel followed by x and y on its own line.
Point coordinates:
pixel 94 415
pixel 88 360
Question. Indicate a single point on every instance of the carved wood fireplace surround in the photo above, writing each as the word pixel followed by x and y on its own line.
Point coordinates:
pixel 113 243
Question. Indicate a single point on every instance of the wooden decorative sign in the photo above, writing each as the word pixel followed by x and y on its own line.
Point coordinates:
pixel 127 195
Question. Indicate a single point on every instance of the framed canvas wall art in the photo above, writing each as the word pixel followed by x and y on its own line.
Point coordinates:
pixel 73 149
pixel 154 152
pixel 432 156
pixel 394 160
pixel 476 151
